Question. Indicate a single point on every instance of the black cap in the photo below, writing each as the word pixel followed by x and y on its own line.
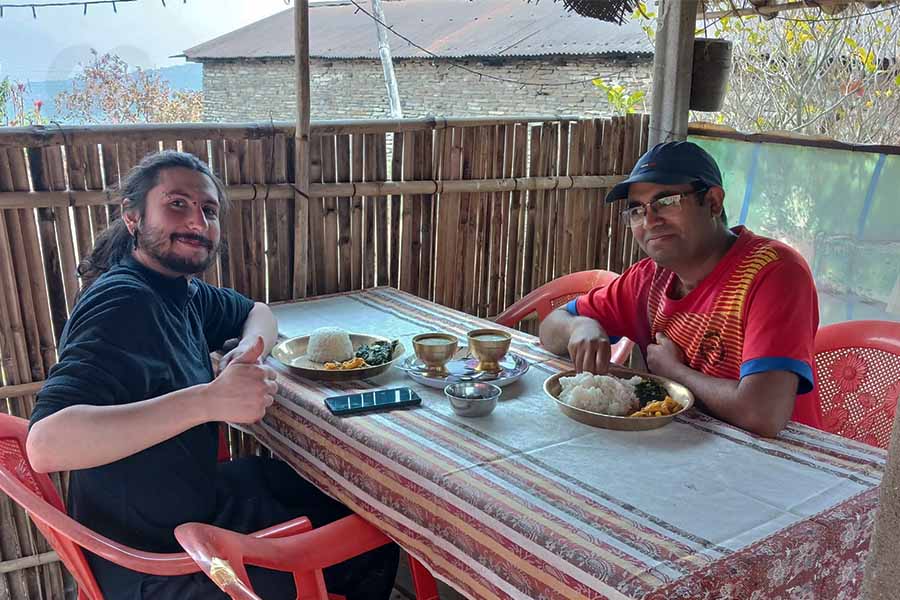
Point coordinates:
pixel 671 163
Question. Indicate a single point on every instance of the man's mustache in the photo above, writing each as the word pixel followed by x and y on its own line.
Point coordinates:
pixel 193 238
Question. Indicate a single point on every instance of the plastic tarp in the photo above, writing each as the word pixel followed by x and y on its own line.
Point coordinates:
pixel 839 208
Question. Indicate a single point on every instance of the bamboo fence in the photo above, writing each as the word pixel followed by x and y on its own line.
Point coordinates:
pixel 470 213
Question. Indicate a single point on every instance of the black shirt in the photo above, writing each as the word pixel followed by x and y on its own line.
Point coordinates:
pixel 135 335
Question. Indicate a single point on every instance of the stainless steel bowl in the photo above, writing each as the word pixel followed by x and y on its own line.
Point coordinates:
pixel 472 399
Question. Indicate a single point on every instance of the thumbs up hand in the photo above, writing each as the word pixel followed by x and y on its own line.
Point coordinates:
pixel 244 388
pixel 243 353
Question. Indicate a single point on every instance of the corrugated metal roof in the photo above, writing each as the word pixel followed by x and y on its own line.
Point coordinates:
pixel 449 28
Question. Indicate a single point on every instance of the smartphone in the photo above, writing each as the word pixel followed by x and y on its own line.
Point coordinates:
pixel 376 400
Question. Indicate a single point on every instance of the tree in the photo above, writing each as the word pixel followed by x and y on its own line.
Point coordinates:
pixel 836 78
pixel 105 92
pixel 12 106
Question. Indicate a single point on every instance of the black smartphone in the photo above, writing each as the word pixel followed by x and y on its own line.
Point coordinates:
pixel 376 400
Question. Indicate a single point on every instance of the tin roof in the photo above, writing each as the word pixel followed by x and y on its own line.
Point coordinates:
pixel 448 28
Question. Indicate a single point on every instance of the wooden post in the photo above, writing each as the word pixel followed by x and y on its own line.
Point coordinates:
pixel 301 149
pixel 387 62
pixel 672 62
pixel 881 581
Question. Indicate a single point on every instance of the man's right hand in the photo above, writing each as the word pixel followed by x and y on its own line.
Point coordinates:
pixel 244 389
pixel 589 346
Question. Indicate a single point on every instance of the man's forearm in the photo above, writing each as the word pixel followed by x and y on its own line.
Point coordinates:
pixel 748 404
pixel 84 436
pixel 261 322
pixel 556 330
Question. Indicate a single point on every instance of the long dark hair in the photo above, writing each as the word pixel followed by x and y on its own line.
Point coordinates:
pixel 116 242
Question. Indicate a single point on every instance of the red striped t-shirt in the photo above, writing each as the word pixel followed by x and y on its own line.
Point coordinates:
pixel 756 311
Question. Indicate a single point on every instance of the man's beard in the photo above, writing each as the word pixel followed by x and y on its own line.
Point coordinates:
pixel 154 242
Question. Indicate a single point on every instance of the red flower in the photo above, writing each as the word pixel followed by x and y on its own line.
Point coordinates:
pixel 38 104
pixel 867 400
pixel 835 419
pixel 849 372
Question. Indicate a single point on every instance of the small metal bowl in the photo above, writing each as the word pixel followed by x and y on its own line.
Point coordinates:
pixel 472 399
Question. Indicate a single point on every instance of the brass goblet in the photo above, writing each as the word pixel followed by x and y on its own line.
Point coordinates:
pixel 435 350
pixel 489 346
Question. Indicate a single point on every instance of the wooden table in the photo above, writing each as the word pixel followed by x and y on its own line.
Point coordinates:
pixel 527 503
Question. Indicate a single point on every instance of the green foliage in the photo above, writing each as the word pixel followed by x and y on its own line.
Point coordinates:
pixel 837 78
pixel 621 100
pixel 12 106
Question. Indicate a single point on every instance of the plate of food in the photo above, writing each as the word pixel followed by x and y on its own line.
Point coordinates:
pixel 625 399
pixel 332 354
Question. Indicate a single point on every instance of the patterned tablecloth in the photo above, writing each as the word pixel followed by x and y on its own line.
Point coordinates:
pixel 527 503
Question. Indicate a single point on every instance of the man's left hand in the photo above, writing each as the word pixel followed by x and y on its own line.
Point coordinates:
pixel 664 357
pixel 236 349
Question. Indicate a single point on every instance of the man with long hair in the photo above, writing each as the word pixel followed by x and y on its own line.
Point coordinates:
pixel 132 408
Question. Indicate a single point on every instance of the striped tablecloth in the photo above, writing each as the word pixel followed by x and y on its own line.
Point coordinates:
pixel 526 503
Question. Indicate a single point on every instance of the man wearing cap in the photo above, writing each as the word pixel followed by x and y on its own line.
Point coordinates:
pixel 727 313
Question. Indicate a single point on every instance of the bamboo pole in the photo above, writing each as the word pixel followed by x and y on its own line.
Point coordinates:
pixel 327 254
pixel 357 160
pixel 496 222
pixel 28 562
pixel 247 192
pixel 381 211
pixel 41 166
pixel 468 218
pixel 128 134
pixel 482 228
pixel 394 216
pixel 369 202
pixel 517 218
pixel 317 250
pixel 406 210
pixel 257 160
pixel 284 212
pixel 301 149
pixel 772 9
pixel 505 229
pixel 21 389
pixel 338 219
pixel 425 167
pixel 387 62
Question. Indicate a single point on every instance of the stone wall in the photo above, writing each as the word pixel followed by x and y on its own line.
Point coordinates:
pixel 254 90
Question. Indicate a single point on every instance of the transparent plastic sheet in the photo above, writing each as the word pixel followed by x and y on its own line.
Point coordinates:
pixel 838 208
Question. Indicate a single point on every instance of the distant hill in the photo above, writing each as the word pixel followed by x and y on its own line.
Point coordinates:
pixel 182 78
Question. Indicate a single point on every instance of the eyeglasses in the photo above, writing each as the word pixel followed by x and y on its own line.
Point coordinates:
pixel 665 206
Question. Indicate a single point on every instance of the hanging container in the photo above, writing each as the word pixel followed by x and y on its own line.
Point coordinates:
pixel 710 74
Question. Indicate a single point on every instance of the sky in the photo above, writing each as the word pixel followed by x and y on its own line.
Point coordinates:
pixel 143 33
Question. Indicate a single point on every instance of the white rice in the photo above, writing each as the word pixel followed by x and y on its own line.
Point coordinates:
pixel 600 393
pixel 329 344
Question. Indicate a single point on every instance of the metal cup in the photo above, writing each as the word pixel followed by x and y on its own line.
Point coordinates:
pixel 435 350
pixel 489 346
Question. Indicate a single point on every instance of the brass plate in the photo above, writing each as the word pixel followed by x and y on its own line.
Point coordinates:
pixel 678 392
pixel 292 354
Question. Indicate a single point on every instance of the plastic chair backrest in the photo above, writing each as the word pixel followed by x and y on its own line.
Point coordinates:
pixel 558 292
pixel 858 373
pixel 30 490
pixel 554 294
pixel 223 554
pixel 36 494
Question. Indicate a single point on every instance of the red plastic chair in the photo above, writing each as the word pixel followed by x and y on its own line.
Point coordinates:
pixel 557 293
pixel 223 554
pixel 35 493
pixel 858 369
